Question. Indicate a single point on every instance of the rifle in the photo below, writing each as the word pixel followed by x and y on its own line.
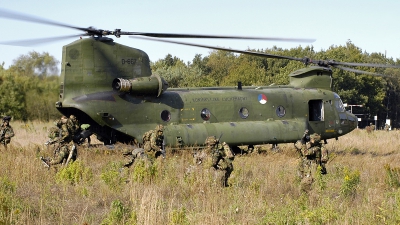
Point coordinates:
pixel 72 152
pixel 44 161
pixel 163 149
pixel 2 134
pixel 216 143
pixel 304 138
pixel 49 142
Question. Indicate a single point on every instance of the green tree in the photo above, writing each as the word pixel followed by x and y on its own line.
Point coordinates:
pixel 26 94
pixel 12 98
pixel 220 63
pixel 34 63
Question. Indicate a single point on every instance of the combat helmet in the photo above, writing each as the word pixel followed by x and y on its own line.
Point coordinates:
pixel 316 137
pixel 7 118
pixel 211 140
pixel 64 119
pixel 73 118
pixel 159 127
pixel 54 132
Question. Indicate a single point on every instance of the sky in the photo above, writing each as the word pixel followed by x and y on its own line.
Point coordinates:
pixel 371 25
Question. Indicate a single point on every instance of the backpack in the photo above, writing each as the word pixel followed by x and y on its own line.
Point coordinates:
pixel 146 136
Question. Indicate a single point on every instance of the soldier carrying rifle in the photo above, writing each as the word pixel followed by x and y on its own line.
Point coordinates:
pixel 221 157
pixel 153 142
pixel 64 147
pixel 6 131
pixel 313 156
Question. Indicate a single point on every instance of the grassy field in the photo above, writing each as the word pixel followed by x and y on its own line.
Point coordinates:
pixel 361 187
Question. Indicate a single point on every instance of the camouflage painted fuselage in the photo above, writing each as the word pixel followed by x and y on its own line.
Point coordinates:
pixel 110 86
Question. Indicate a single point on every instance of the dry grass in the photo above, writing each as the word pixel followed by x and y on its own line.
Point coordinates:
pixel 264 188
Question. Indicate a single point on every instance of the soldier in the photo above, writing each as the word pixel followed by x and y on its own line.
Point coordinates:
pixel 154 144
pixel 387 127
pixel 372 126
pixel 222 157
pixel 74 128
pixel 201 156
pixel 312 156
pixel 132 155
pixel 6 131
pixel 65 150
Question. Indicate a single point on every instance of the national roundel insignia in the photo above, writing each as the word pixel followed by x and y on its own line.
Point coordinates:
pixel 262 98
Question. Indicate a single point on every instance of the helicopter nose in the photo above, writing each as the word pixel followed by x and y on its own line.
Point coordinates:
pixel 353 121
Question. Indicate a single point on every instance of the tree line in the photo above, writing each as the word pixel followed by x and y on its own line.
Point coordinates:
pixel 29 87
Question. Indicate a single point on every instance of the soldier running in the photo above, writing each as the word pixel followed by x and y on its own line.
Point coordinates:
pixel 6 131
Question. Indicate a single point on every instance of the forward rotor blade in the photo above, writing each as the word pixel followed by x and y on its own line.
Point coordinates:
pixel 170 35
pixel 33 42
pixel 333 63
pixel 359 71
pixel 33 19
pixel 220 48
pixel 92 31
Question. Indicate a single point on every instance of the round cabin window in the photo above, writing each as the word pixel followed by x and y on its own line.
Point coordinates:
pixel 165 115
pixel 280 111
pixel 205 114
pixel 244 112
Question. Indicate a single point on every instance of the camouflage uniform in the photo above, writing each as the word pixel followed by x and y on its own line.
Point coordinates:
pixel 387 127
pixel 6 131
pixel 200 156
pixel 73 125
pixel 131 156
pixel 312 156
pixel 74 128
pixel 153 145
pixel 372 126
pixel 64 145
pixel 222 157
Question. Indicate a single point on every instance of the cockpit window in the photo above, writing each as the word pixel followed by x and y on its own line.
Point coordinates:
pixel 338 103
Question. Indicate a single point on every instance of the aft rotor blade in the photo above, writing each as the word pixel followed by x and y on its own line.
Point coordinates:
pixel 333 63
pixel 32 42
pixel 359 71
pixel 220 48
pixel 33 19
pixel 170 35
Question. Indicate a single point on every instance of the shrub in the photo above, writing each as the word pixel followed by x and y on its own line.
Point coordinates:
pixel 178 216
pixel 113 176
pixel 144 170
pixel 351 182
pixel 392 176
pixel 320 179
pixel 117 214
pixel 74 173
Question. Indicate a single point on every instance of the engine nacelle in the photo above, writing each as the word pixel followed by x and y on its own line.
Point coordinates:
pixel 153 85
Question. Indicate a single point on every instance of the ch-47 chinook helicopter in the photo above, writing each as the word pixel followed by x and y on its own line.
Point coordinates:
pixel 111 87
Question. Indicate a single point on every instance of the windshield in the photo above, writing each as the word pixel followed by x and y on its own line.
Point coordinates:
pixel 338 103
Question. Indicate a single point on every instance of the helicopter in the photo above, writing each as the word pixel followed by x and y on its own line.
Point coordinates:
pixel 111 87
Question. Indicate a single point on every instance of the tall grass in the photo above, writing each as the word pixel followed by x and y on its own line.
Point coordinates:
pixel 361 187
